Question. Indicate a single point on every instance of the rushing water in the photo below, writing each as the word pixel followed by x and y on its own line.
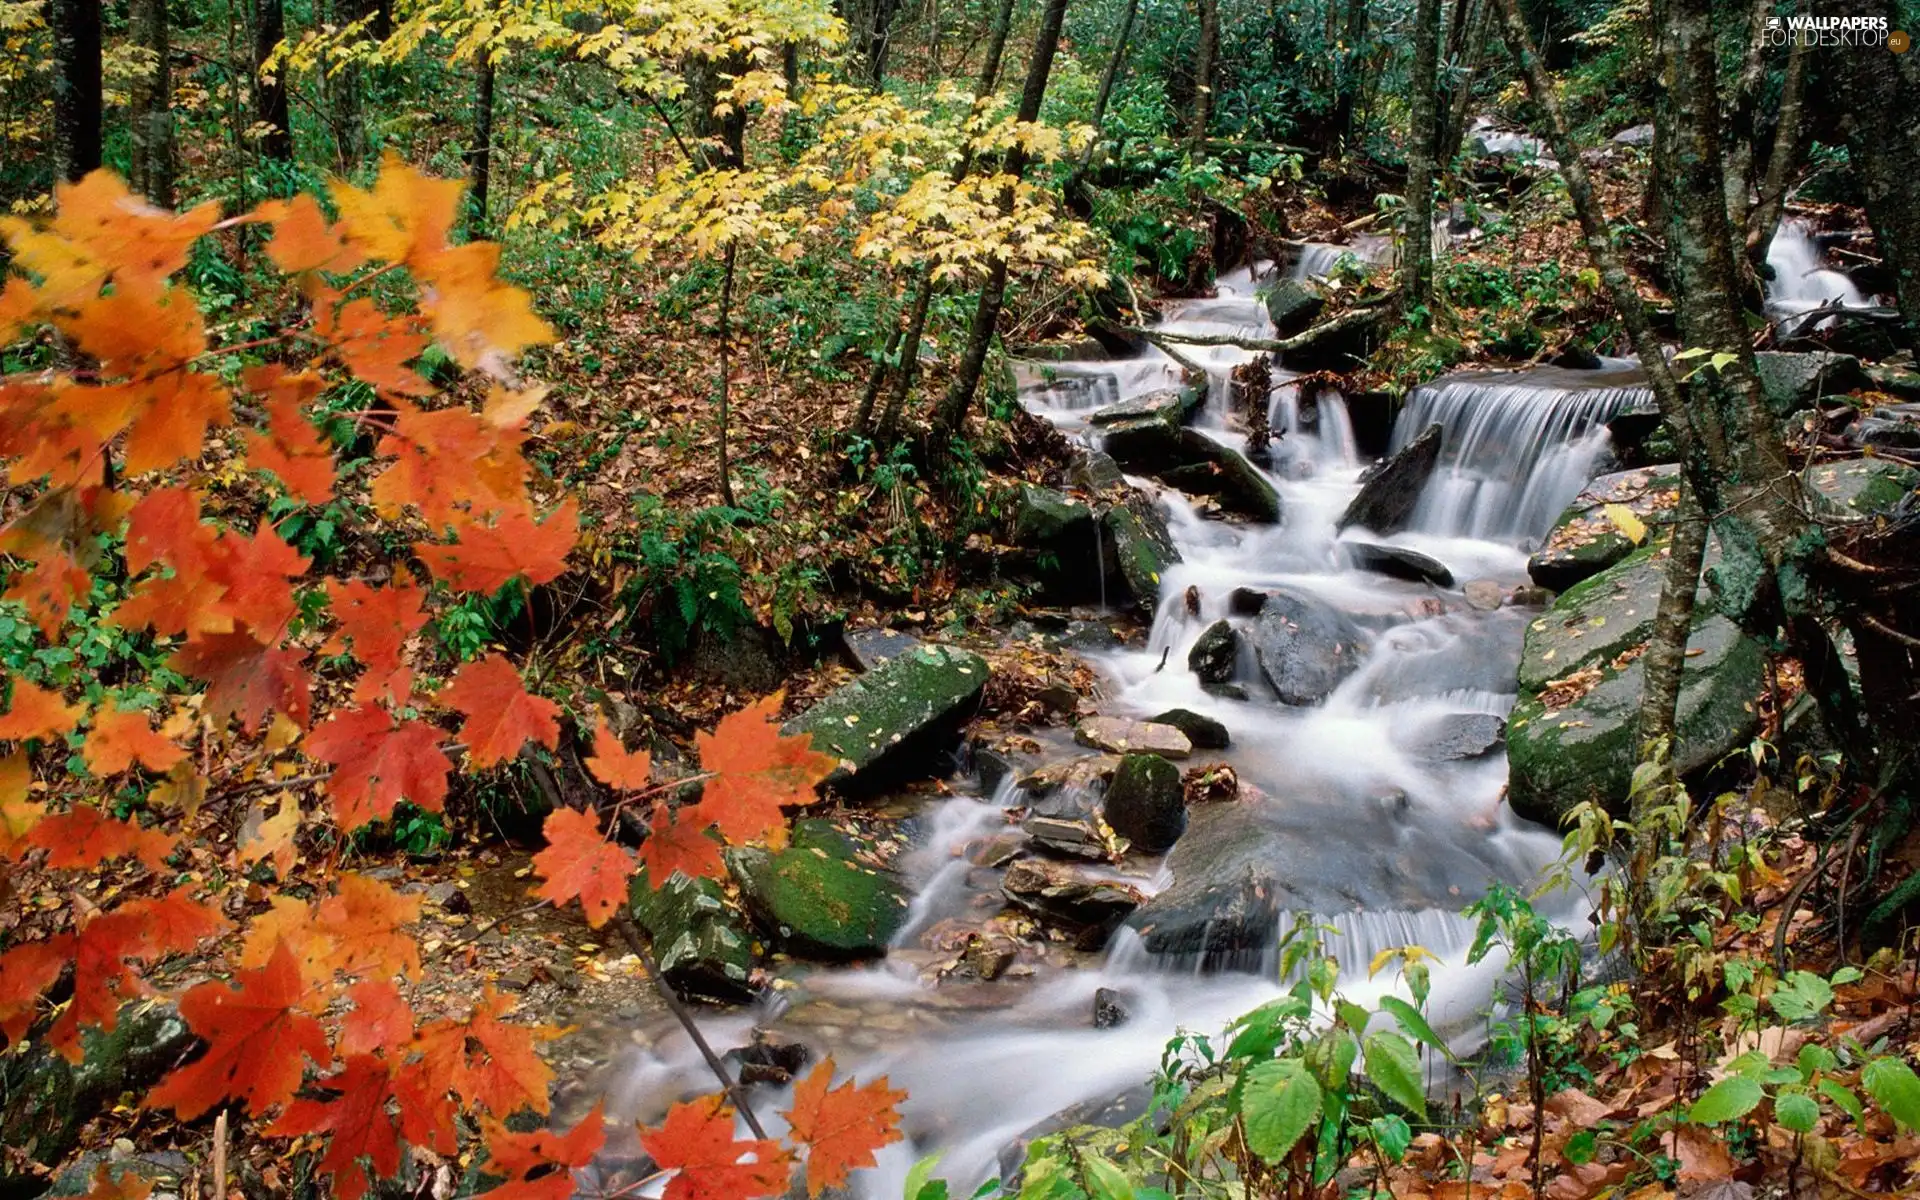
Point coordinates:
pixel 1350 804
pixel 1803 280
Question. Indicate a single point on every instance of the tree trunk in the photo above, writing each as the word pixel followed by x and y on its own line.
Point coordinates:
pixel 1467 57
pixel 1879 99
pixel 1108 78
pixel 343 91
pixel 149 105
pixel 1350 65
pixel 1416 263
pixel 1203 72
pixel 270 91
pixel 480 150
pixel 1666 656
pixel 986 313
pixel 1764 220
pixel 722 139
pixel 76 87
pixel 879 37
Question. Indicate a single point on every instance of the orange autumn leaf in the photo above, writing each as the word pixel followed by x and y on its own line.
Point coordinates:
pixel 84 837
pixel 483 323
pixel 36 713
pixel 358 1120
pixel 291 448
pixel 518 1156
pixel 696 1143
pixel 492 477
pixel 380 1022
pixel 363 918
pixel 272 837
pixel 372 345
pixel 258 1036
pixel 676 842
pixel 406 216
pixel 121 737
pixel 139 931
pixel 755 771
pixel 579 863
pixel 501 715
pixel 129 1186
pixel 303 240
pixel 487 557
pixel 50 590
pixel 18 814
pixel 841 1127
pixel 489 1062
pixel 378 621
pixel 614 765
pixel 247 678
pixel 377 763
pixel 28 969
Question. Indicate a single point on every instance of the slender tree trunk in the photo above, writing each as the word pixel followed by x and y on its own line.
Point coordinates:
pixel 76 87
pixel 1879 103
pixel 149 105
pixel 1416 264
pixel 344 89
pixel 907 344
pixel 1351 69
pixel 270 106
pixel 986 314
pixel 1101 98
pixel 480 150
pixel 1740 108
pixel 726 374
pixel 722 139
pixel 1203 73
pixel 1765 217
pixel 879 38
pixel 1666 657
pixel 1468 58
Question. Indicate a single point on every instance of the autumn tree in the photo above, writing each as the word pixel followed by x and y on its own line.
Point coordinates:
pixel 272 111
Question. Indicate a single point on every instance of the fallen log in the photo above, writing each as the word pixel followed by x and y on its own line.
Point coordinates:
pixel 1351 319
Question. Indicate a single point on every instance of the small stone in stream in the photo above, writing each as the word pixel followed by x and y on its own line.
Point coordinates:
pixel 1386 501
pixel 1529 596
pixel 1394 801
pixel 1058 697
pixel 1203 731
pixel 1083 773
pixel 1108 1012
pixel 996 851
pixel 1122 736
pixel 988 957
pixel 1214 653
pixel 770 1058
pixel 517 978
pixel 1212 781
pixel 1144 803
pixel 442 893
pixel 1095 471
pixel 1063 893
pixel 1076 839
pixel 1089 635
pixel 1460 736
pixel 1399 562
pixel 1484 594
pixel 1193 600
pixel 870 647
pixel 1246 602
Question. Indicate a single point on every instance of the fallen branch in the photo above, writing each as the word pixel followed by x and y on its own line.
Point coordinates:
pixel 1801 324
pixel 1351 319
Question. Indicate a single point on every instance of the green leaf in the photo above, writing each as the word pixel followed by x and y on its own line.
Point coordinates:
pixel 1330 1057
pixel 1728 1100
pixel 1894 1087
pixel 1104 1180
pixel 1581 1147
pixel 1845 975
pixel 1394 1067
pixel 1796 1111
pixel 1843 1098
pixel 1391 1134
pixel 1280 1104
pixel 921 1185
pixel 1753 1063
pixel 1414 1023
pixel 1352 1015
pixel 1265 1028
pixel 1813 1059
pixel 1801 996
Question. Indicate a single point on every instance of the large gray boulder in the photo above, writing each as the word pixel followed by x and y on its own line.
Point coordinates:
pixel 1793 381
pixel 1855 489
pixel 1304 646
pixel 700 938
pixel 817 898
pixel 1597 620
pixel 1292 305
pixel 896 721
pixel 1062 538
pixel 1141 546
pixel 1386 501
pixel 1173 406
pixel 1586 540
pixel 1144 803
pixel 1193 462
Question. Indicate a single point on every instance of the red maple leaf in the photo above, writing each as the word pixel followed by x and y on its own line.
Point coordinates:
pixel 380 1022
pixel 291 447
pixel 841 1127
pixel 359 1120
pixel 488 1062
pixel 377 763
pixel 37 713
pixel 492 477
pixel 27 970
pixel 257 573
pixel 487 558
pixel 247 678
pixel 374 346
pixel 50 590
pixel 696 1143
pixel 258 1037
pixel 378 621
pixel 540 1165
pixel 501 715
pixel 83 837
pixel 614 765
pixel 139 931
pixel 580 863
pixel 18 814
pixel 363 919
pixel 755 771
pixel 679 843
pixel 130 1185
pixel 121 737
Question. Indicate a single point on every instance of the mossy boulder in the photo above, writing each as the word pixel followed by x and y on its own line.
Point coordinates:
pixel 700 938
pixel 1173 406
pixel 1596 620
pixel 1793 381
pixel 1193 462
pixel 1568 746
pixel 1586 540
pixel 1044 519
pixel 1858 488
pixel 897 721
pixel 1141 547
pixel 1292 305
pixel 1386 501
pixel 1144 803
pixel 816 898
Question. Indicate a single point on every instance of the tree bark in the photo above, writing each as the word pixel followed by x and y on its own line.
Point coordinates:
pixel 1351 69
pixel 721 139
pixel 270 106
pixel 149 105
pixel 1467 57
pixel 1108 78
pixel 1879 102
pixel 1203 72
pixel 986 313
pixel 344 94
pixel 879 38
pixel 1764 220
pixel 1666 656
pixel 480 150
pixel 1416 263
pixel 76 87
pixel 726 373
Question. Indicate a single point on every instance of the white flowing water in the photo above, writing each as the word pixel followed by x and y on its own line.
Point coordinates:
pixel 1387 842
pixel 1803 280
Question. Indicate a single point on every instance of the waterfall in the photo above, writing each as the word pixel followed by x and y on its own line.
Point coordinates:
pixel 1519 445
pixel 1802 280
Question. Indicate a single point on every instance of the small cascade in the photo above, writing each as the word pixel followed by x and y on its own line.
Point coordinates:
pixel 1519 445
pixel 1318 260
pixel 1502 143
pixel 1802 279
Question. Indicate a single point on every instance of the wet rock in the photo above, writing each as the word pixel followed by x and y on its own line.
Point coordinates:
pixel 1173 406
pixel 1227 691
pixel 1085 773
pixel 1889 427
pixel 1855 489
pixel 1203 731
pixel 1144 803
pixel 1292 305
pixel 1634 135
pixel 1575 357
pixel 1530 596
pixel 1484 595
pixel 1121 736
pixel 1399 563
pixel 1458 736
pixel 770 1058
pixel 1141 546
pixel 1792 381
pixel 1065 894
pixel 897 721
pixel 1214 653
pixel 1304 646
pixel 1044 519
pixel 816 898
pixel 868 648
pixel 1094 471
pixel 1585 540
pixel 751 661
pixel 49 1101
pixel 1108 1011
pixel 1567 746
pixel 700 939
pixel 1073 837
pixel 1193 462
pixel 1246 602
pixel 988 957
pixel 1387 499
pixel 1597 620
